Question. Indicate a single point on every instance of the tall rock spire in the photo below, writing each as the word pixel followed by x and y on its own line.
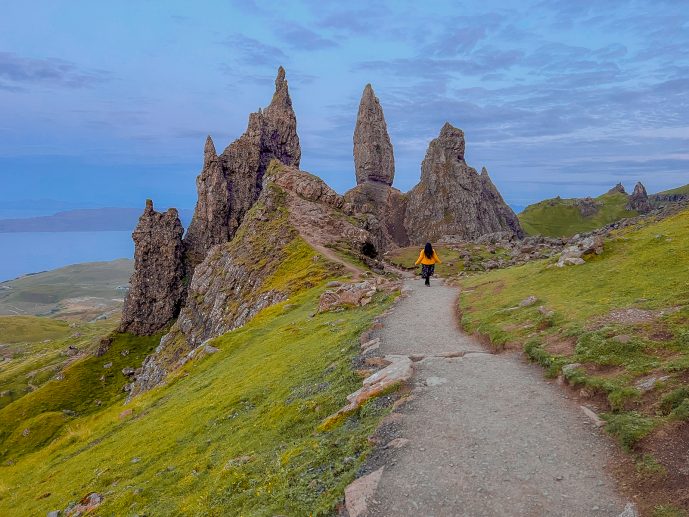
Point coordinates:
pixel 157 286
pixel 229 184
pixel 373 155
pixel 452 199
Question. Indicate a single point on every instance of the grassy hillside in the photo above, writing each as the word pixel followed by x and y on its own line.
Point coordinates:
pixel 33 350
pixel 563 218
pixel 684 190
pixel 234 432
pixel 79 291
pixel 621 321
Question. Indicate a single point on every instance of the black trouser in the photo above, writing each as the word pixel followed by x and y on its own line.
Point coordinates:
pixel 427 272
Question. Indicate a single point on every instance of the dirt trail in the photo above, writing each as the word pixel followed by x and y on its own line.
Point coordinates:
pixel 488 436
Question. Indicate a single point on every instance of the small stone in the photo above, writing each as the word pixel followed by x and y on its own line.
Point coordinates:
pixel 528 302
pixel 107 365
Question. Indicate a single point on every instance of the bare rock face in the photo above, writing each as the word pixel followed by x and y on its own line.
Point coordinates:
pixel 452 200
pixel 157 285
pixel 373 157
pixel 230 184
pixel 639 200
pixel 381 209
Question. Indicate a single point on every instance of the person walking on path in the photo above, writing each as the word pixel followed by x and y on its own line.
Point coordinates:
pixel 428 258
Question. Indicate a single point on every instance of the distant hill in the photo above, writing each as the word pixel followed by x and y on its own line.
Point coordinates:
pixel 80 291
pixel 560 217
pixel 565 217
pixel 82 220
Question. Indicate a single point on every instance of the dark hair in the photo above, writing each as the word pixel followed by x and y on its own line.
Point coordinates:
pixel 428 250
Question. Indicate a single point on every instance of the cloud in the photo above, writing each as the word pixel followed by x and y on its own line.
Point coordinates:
pixel 17 73
pixel 250 51
pixel 299 37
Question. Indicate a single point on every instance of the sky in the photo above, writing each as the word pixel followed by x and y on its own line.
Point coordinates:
pixel 108 103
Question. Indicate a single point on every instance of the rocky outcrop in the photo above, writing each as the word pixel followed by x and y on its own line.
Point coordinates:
pixel 380 210
pixel 587 206
pixel 230 184
pixel 157 286
pixel 373 156
pixel 452 200
pixel 639 201
pixel 238 279
pixel 617 189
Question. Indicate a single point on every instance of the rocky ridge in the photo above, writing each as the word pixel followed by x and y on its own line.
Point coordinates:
pixel 157 286
pixel 230 184
pixel 296 214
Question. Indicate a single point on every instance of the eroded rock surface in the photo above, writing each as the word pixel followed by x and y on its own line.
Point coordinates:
pixel 230 184
pixel 373 156
pixel 157 285
pixel 452 199
pixel 639 200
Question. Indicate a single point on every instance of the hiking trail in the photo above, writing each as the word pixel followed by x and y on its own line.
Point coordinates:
pixel 487 434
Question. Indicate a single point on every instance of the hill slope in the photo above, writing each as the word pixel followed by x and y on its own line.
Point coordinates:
pixel 616 327
pixel 566 217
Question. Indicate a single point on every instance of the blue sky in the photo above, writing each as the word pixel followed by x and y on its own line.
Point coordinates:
pixel 107 103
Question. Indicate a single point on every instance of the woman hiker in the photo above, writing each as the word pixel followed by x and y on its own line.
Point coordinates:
pixel 428 258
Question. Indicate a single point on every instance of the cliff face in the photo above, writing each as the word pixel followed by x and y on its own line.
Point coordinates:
pixel 452 199
pixel 230 184
pixel 273 254
pixel 157 286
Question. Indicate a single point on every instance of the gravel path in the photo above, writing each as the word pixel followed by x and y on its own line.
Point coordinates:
pixel 488 436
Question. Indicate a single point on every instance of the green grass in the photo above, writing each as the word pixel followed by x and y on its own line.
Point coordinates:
pixel 234 432
pixel 18 329
pixel 45 293
pixel 643 268
pixel 39 351
pixel 451 255
pixel 562 218
pixel 679 190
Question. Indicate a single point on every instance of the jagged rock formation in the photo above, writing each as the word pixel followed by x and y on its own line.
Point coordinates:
pixel 373 157
pixel 452 200
pixel 230 184
pixel 238 279
pixel 379 207
pixel 617 189
pixel 157 285
pixel 639 200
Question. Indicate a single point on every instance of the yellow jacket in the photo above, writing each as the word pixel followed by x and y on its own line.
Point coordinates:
pixel 423 259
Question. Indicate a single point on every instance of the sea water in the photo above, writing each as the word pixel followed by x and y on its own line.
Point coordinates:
pixel 22 253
